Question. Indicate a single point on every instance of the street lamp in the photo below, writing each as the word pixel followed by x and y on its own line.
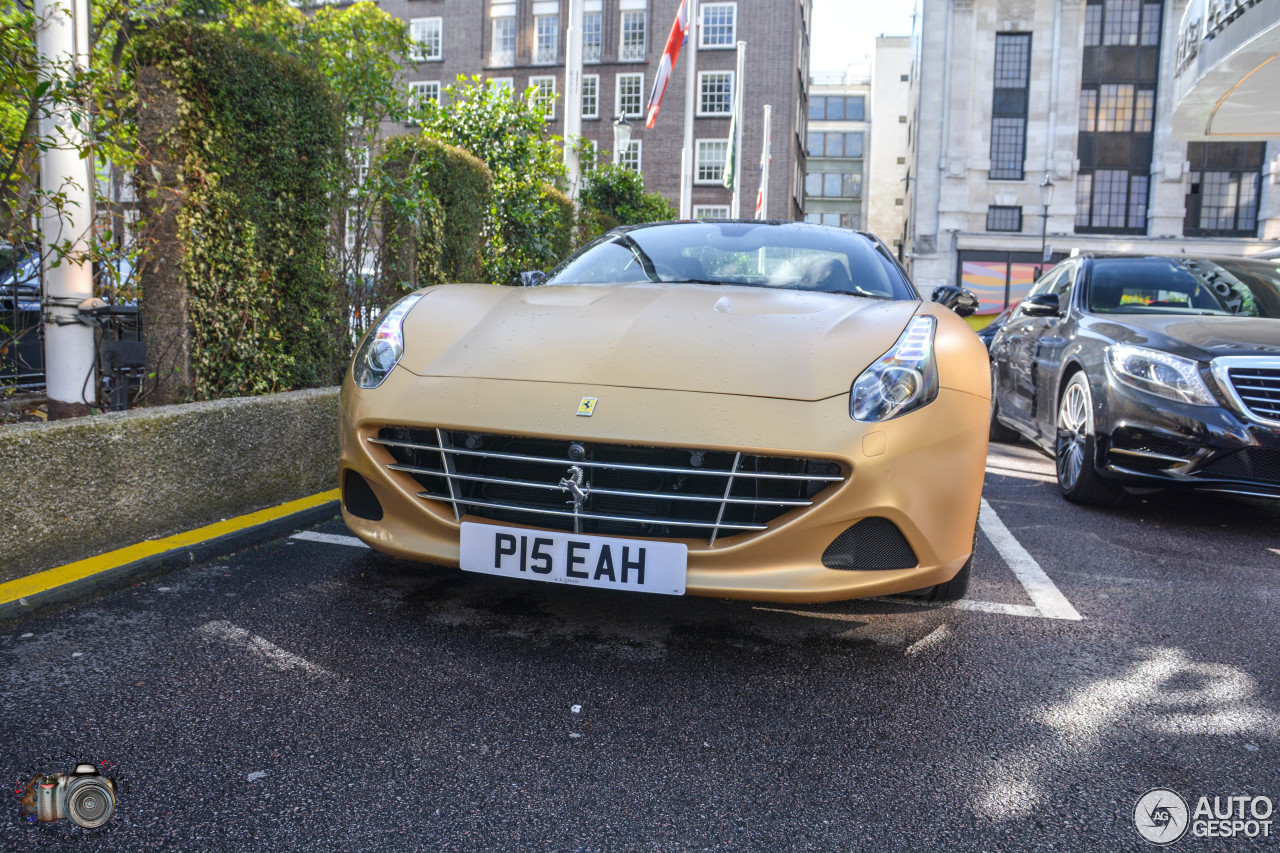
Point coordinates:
pixel 1046 198
pixel 621 137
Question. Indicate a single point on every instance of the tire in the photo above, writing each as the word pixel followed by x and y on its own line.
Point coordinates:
pixel 998 431
pixel 954 589
pixel 1075 445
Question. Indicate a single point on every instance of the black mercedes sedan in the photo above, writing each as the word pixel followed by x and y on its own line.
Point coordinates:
pixel 1143 371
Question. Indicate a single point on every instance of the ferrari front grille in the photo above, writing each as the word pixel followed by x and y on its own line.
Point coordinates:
pixel 1256 385
pixel 609 489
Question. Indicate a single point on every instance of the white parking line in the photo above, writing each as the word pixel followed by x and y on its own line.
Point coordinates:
pixel 1021 474
pixel 274 656
pixel 329 539
pixel 1048 599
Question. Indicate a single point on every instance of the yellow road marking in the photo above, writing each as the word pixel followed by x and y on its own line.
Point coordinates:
pixel 55 577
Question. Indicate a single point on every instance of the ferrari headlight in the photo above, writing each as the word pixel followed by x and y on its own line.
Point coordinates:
pixel 1159 373
pixel 383 346
pixel 902 380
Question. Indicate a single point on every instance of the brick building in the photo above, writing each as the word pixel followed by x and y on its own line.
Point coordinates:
pixel 522 42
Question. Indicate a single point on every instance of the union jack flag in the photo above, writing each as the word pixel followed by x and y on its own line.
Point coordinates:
pixel 679 35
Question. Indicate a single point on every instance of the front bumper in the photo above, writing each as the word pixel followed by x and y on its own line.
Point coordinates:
pixel 1149 441
pixel 922 471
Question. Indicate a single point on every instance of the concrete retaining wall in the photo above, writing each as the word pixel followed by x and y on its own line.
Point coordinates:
pixel 70 489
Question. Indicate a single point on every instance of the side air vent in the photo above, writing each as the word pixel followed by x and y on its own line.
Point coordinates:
pixel 359 498
pixel 871 544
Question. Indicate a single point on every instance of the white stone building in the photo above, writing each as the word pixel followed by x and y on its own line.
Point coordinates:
pixel 836 147
pixel 885 185
pixel 1008 95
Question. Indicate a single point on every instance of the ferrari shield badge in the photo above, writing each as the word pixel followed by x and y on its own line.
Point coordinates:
pixel 587 407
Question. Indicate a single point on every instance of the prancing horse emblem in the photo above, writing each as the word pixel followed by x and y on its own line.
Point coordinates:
pixel 573 485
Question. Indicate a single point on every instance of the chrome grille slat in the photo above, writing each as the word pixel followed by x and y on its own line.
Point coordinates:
pixel 816 478
pixel 621 493
pixel 596 516
pixel 627 490
pixel 1253 383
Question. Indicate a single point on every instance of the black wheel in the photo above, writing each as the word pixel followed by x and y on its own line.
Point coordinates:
pixel 998 431
pixel 1078 479
pixel 954 589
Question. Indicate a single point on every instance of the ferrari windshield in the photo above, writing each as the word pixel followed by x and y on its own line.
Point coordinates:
pixel 1185 286
pixel 792 256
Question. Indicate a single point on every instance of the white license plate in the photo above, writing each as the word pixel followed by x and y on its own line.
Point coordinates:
pixel 557 557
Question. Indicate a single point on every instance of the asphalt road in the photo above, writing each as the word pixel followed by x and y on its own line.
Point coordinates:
pixel 307 695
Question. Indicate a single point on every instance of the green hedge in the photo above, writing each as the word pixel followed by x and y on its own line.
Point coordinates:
pixel 259 138
pixel 436 198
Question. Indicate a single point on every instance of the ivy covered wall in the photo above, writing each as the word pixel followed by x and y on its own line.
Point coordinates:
pixel 238 287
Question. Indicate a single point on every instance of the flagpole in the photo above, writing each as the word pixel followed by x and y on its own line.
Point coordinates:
pixel 690 96
pixel 738 84
pixel 765 156
pixel 573 96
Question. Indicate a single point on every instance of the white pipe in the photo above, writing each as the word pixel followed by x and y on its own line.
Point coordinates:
pixel 739 83
pixel 690 96
pixel 62 42
pixel 573 96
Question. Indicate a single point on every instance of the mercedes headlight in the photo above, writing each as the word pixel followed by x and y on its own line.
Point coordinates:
pixel 900 381
pixel 383 346
pixel 1159 373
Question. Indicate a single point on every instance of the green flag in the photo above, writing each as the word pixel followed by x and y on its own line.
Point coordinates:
pixel 731 159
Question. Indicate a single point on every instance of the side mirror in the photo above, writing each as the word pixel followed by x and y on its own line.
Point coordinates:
pixel 1041 305
pixel 959 300
pixel 529 278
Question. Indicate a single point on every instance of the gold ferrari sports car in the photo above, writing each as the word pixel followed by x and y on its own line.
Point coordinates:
pixel 756 410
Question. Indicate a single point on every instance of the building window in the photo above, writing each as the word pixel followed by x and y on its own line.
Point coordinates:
pixel 1009 106
pixel 834 144
pixel 1089 110
pixel 592 36
pixel 634 36
pixel 837 108
pixel 591 96
pixel 1144 111
pixel 629 157
pixel 1092 26
pixel 421 92
pixel 1111 200
pixel 1003 218
pixel 427 35
pixel 1084 192
pixel 719 25
pixel 630 94
pixel 710 211
pixel 359 158
pixel 504 39
pixel 504 85
pixel 546 39
pixel 1222 194
pixel 1121 22
pixel 715 93
pixel 837 220
pixel 833 185
pixel 711 154
pixel 543 95
pixel 1150 24
pixel 1115 108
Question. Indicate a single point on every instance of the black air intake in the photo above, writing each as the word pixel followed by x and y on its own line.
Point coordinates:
pixel 359 499
pixel 870 545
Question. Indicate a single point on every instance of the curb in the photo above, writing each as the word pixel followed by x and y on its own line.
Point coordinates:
pixel 116 569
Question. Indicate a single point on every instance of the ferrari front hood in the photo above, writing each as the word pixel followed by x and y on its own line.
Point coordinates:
pixel 714 339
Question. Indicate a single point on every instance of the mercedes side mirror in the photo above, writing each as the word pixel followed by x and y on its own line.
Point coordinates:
pixel 959 300
pixel 529 278
pixel 1041 305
